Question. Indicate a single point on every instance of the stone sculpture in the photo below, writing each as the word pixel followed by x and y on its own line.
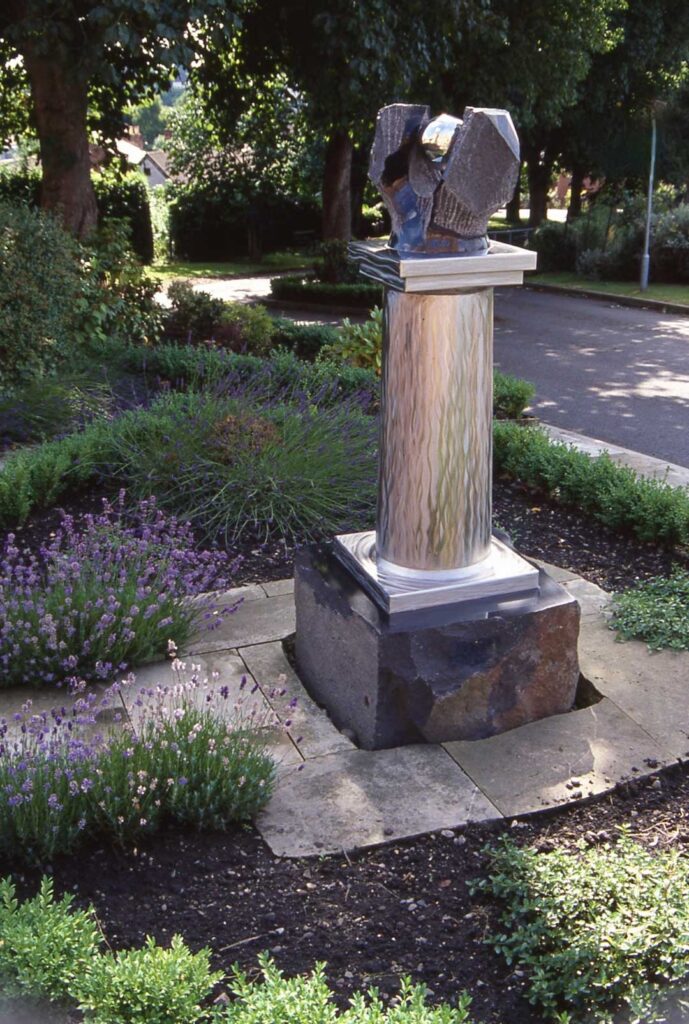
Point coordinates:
pixel 442 178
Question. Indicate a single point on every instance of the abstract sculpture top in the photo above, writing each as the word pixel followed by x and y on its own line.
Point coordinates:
pixel 442 178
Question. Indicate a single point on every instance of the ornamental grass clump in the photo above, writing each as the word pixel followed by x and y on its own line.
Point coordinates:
pixel 99 598
pixel 119 766
pixel 235 463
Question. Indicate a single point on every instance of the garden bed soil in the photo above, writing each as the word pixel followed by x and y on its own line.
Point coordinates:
pixel 398 909
pixel 539 528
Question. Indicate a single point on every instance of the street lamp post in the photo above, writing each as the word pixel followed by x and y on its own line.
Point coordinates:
pixel 646 258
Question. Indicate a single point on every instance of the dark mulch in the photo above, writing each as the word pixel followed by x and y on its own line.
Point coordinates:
pixel 403 908
pixel 539 527
pixel 399 909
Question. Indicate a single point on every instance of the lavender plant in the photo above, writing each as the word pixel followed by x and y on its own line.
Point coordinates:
pixel 100 598
pixel 119 767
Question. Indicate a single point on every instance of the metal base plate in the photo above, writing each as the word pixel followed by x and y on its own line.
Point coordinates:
pixel 502 574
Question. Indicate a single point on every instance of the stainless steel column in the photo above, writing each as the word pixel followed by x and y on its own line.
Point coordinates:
pixel 434 489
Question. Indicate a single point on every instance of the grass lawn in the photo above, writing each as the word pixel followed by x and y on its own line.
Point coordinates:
pixel 272 261
pixel 660 292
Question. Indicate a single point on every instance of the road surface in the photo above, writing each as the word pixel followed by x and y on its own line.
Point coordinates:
pixel 613 373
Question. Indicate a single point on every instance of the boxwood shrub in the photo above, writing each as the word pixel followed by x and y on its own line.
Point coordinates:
pixel 296 288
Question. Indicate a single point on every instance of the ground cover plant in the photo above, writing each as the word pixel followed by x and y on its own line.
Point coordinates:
pixel 189 752
pixel 655 611
pixel 100 598
pixel 595 930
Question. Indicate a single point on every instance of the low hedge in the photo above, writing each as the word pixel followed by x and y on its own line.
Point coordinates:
pixel 613 495
pixel 296 288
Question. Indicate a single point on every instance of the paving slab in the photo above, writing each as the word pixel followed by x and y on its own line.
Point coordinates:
pixel 554 571
pixel 43 701
pixel 651 688
pixel 362 798
pixel 311 728
pixel 592 599
pixel 559 759
pixel 223 598
pixel 279 587
pixel 245 705
pixel 258 621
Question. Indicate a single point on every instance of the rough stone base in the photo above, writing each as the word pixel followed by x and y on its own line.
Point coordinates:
pixel 459 672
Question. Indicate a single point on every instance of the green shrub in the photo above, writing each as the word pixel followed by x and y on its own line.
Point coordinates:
pixel 359 344
pixel 656 611
pixel 45 945
pixel 307 999
pixel 117 299
pixel 186 753
pixel 333 265
pixel 35 478
pixel 611 494
pixel 304 340
pixel 152 985
pixel 596 930
pixel 126 197
pixel 555 245
pixel 295 288
pixel 511 395
pixel 214 222
pixel 40 285
pixel 212 459
pixel 53 405
pixel 670 245
pixel 193 315
pixel 118 197
pixel 245 329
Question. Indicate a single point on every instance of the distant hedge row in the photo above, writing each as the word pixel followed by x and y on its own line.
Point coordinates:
pixel 125 198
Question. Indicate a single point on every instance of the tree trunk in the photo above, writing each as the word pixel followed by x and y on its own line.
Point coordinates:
pixel 539 171
pixel 337 188
pixel 513 208
pixel 60 103
pixel 576 185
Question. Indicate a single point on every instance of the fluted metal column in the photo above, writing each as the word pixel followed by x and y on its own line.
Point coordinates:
pixel 434 494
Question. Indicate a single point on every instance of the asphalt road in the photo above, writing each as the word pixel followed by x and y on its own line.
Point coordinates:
pixel 617 374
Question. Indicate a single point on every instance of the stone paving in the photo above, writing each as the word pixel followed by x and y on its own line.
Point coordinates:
pixel 332 796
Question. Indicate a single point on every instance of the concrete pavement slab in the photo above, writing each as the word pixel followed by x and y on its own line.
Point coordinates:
pixel 559 759
pixel 254 622
pixel 361 798
pixel 652 689
pixel 311 728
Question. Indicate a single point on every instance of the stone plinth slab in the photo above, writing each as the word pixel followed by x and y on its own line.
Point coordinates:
pixel 650 688
pixel 362 798
pixel 312 731
pixel 560 759
pixel 464 671
pixel 256 621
